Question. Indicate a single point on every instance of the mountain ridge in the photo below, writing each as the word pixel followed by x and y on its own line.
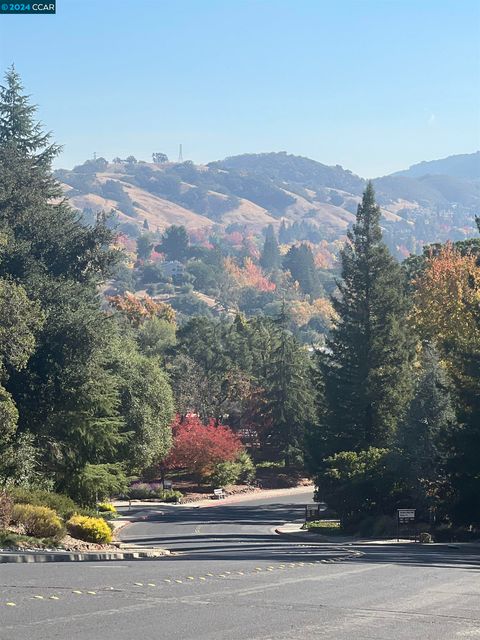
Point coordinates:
pixel 254 190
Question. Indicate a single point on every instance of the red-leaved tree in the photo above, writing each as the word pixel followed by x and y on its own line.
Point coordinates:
pixel 198 447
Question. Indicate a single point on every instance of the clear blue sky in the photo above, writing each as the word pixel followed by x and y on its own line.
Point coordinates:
pixel 373 85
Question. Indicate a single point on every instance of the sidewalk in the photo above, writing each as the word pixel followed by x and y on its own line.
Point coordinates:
pixel 260 494
pixel 294 531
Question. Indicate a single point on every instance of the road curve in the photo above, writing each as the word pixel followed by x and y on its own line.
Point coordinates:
pixel 234 579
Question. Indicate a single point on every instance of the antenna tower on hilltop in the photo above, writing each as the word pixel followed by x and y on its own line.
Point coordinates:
pixel 180 154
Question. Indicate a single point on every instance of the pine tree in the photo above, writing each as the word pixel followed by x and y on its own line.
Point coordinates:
pixel 366 368
pixel 175 243
pixel 283 235
pixel 422 434
pixel 301 264
pixel 64 396
pixel 289 405
pixel 270 258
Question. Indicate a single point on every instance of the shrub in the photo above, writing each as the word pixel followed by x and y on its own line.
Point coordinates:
pixel 89 529
pixel 247 468
pixel 325 527
pixel 59 502
pixel 6 507
pixel 40 522
pixel 225 473
pixel 152 491
pixel 107 507
pixel 168 495
pixel 98 481
pixel 142 491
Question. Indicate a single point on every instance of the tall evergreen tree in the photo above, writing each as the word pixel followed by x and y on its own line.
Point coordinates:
pixel 64 395
pixel 366 365
pixel 175 243
pixel 270 258
pixel 288 392
pixel 301 264
pixel 423 433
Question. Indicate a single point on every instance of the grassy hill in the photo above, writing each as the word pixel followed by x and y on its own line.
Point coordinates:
pixel 253 190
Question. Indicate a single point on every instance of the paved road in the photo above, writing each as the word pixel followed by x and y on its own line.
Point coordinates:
pixel 236 580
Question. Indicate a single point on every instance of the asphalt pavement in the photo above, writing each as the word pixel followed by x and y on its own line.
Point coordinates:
pixel 233 578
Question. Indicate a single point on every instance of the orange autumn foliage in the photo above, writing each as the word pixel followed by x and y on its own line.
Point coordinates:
pixel 250 275
pixel 138 309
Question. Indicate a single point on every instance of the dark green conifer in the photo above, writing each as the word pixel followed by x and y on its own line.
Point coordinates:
pixel 270 258
pixel 366 366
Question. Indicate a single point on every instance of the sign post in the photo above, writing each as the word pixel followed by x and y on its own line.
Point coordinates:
pixel 404 516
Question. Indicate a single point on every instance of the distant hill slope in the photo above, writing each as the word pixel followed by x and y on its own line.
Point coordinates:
pixel 253 190
pixel 465 165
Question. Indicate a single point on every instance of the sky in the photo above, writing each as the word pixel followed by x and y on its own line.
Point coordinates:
pixel 372 85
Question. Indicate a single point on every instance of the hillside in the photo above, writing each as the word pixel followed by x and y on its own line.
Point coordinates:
pixel 316 201
pixel 465 165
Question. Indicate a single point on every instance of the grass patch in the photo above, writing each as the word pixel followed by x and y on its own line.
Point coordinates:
pixel 325 527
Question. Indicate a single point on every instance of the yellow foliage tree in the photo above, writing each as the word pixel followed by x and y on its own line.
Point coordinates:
pixel 447 301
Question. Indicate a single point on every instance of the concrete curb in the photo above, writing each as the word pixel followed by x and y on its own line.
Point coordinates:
pixel 92 556
pixel 298 535
pixel 343 553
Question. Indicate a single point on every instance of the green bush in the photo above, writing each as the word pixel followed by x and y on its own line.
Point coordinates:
pixel 377 527
pixel 89 529
pixel 225 473
pixel 6 507
pixel 62 504
pixel 247 468
pixel 98 482
pixel 40 522
pixel 168 495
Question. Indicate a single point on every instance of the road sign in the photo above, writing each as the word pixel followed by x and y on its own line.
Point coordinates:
pixel 406 514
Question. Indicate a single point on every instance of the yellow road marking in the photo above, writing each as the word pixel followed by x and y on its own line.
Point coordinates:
pixel 209 574
pixel 190 578
pixel 92 593
pixel 10 604
pixel 152 584
pixel 38 597
pixel 201 578
pixel 138 584
pixel 167 580
pixel 54 598
pixel 179 581
pixel 76 591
